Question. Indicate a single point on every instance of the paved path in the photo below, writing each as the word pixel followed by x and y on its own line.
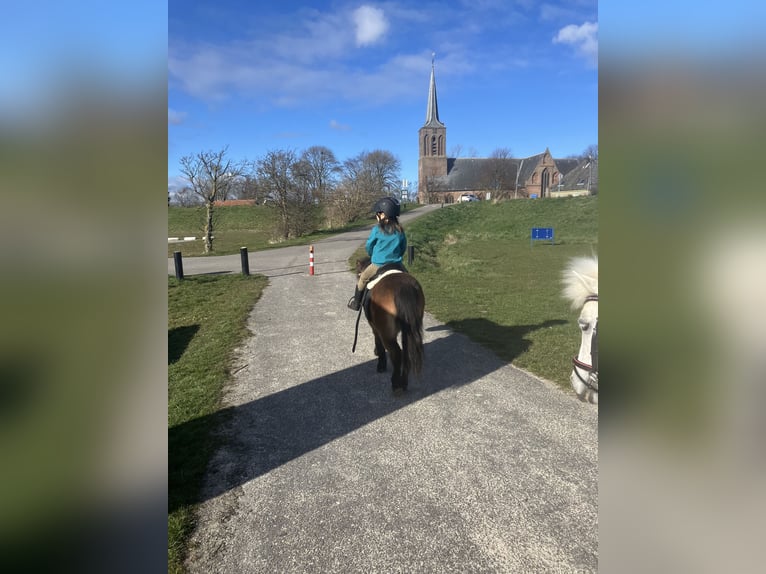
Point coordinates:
pixel 478 468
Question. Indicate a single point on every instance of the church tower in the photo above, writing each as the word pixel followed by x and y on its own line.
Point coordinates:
pixel 432 138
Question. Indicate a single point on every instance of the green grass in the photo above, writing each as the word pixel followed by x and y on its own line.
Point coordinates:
pixel 233 227
pixel 240 226
pixel 206 321
pixel 482 278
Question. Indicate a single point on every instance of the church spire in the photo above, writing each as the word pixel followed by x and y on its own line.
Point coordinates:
pixel 432 111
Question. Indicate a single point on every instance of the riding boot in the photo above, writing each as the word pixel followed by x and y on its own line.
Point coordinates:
pixel 356 301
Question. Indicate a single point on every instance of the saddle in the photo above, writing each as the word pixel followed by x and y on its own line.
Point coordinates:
pixel 384 270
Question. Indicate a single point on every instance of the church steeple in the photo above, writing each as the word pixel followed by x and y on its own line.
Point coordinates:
pixel 432 111
pixel 432 142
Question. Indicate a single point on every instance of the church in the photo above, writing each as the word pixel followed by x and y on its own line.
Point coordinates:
pixel 443 179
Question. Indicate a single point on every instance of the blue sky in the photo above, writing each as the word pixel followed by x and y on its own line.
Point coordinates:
pixel 353 76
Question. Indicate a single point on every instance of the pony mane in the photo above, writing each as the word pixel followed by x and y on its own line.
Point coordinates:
pixel 580 280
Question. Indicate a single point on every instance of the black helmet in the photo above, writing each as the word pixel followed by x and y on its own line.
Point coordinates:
pixel 387 205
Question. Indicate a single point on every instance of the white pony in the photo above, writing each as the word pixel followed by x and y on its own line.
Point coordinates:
pixel 581 288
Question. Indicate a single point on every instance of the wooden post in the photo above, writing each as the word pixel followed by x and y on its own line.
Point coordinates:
pixel 179 265
pixel 245 261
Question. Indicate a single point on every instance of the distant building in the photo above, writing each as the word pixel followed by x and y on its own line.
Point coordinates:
pixel 443 179
pixel 230 202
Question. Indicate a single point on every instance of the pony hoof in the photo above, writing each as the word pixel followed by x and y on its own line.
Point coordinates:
pixel 381 368
pixel 399 391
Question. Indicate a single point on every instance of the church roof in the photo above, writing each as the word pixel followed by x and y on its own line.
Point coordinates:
pixel 467 174
pixel 529 165
pixel 577 178
pixel 432 111
pixel 566 165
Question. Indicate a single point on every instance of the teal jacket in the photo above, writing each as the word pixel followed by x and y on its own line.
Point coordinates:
pixel 386 248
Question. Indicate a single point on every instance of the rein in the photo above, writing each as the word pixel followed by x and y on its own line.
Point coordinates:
pixel 359 316
pixel 592 380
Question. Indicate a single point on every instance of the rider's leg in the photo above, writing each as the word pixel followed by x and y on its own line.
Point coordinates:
pixel 356 301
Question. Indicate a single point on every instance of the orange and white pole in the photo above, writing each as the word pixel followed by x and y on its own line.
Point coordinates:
pixel 311 260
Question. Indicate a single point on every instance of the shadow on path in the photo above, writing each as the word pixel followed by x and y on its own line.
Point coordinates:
pixel 507 341
pixel 278 428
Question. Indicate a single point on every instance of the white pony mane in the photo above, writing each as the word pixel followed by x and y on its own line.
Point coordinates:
pixel 581 280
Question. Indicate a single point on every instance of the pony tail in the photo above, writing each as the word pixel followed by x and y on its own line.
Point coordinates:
pixel 412 330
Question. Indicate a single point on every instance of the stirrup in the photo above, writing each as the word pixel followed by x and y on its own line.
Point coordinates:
pixel 352 304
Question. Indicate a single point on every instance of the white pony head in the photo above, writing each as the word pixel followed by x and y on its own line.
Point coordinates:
pixel 581 288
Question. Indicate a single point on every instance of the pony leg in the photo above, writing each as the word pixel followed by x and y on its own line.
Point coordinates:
pixel 405 362
pixel 380 352
pixel 398 381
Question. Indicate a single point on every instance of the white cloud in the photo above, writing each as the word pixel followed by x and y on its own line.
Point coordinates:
pixel 339 126
pixel 176 117
pixel 584 38
pixel 371 25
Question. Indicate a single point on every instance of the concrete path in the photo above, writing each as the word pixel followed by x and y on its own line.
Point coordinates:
pixel 480 467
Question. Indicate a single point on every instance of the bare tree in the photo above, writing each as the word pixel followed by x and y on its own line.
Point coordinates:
pixel 412 194
pixel 456 150
pixel 382 169
pixel 185 197
pixel 282 176
pixel 318 169
pixel 591 151
pixel 365 178
pixel 498 173
pixel 211 176
pixel 435 191
pixel 354 190
pixel 274 171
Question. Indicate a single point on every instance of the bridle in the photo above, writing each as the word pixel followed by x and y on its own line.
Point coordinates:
pixel 592 381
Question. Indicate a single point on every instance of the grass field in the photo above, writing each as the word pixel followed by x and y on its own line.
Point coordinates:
pixel 481 277
pixel 238 226
pixel 206 321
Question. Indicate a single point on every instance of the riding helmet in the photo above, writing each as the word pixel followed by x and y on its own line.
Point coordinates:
pixel 387 205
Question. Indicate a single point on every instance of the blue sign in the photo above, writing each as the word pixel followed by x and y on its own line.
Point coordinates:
pixel 544 233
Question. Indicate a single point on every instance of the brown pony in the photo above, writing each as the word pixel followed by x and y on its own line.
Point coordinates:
pixel 396 305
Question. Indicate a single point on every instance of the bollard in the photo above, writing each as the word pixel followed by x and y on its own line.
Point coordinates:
pixel 245 262
pixel 179 264
pixel 410 254
pixel 311 260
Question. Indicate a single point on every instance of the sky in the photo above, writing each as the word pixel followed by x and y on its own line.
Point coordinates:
pixel 354 76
